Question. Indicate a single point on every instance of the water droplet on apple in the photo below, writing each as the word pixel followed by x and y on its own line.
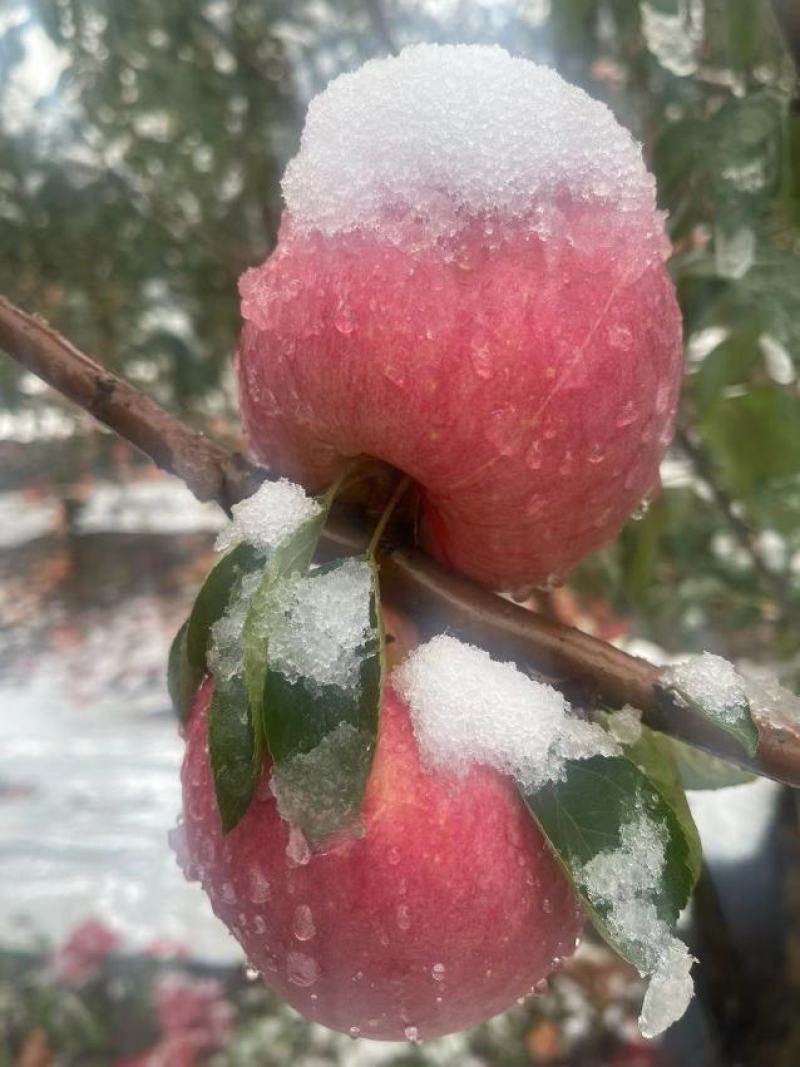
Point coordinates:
pixel 354 1031
pixel 551 582
pixel 259 925
pixel 403 917
pixel 566 464
pixel 297 851
pixel 395 372
pixel 596 454
pixel 438 971
pixel 503 430
pixel 313 996
pixel 662 397
pixel 250 972
pixel 642 508
pixel 228 892
pixel 304 928
pixel 481 356
pixel 620 337
pixel 628 414
pixel 301 970
pixel 343 319
pixel 547 905
pixel 412 1034
pixel 393 856
pixel 257 886
pixel 542 988
pixel 533 457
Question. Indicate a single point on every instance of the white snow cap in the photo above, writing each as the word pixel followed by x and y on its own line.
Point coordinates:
pixel 445 131
pixel 712 683
pixel 626 879
pixel 468 709
pixel 274 511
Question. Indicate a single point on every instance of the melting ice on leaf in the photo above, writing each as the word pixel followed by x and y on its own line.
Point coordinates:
pixel 273 533
pixel 632 862
pixel 322 693
pixel 188 655
pixel 711 686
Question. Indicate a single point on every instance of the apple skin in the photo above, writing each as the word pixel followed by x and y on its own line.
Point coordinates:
pixel 527 383
pixel 451 874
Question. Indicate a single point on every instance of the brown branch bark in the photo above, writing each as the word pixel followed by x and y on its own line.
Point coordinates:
pixel 438 599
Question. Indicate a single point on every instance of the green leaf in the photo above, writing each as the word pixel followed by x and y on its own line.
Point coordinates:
pixel 217 591
pixel 700 770
pixel 183 678
pixel 754 437
pixel 653 754
pixel 292 556
pixel 232 751
pixel 236 737
pixel 322 736
pixel 583 816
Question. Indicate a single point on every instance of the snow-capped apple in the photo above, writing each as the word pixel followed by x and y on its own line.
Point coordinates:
pixel 469 284
pixel 446 909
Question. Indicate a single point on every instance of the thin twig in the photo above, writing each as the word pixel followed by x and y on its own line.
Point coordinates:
pixel 413 582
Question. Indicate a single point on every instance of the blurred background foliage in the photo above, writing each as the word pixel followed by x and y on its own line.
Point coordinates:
pixel 141 147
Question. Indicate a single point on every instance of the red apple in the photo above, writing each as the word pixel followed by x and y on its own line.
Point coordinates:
pixel 445 911
pixel 469 285
pixel 529 386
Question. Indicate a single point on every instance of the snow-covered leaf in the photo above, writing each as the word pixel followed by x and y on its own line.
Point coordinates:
pixel 292 556
pixel 233 751
pixel 239 660
pixel 217 591
pixel 653 754
pixel 584 816
pixel 711 686
pixel 188 653
pixel 322 693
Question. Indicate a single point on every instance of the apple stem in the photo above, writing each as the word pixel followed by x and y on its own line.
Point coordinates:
pixel 399 491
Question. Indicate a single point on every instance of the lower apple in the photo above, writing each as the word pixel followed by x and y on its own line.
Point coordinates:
pixel 445 910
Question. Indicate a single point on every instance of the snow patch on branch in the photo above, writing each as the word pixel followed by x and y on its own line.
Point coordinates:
pixel 469 710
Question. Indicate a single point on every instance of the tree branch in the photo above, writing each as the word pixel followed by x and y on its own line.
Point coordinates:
pixel 438 599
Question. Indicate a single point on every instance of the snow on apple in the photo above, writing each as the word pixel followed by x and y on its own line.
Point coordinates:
pixel 470 710
pixel 469 285
pixel 263 520
pixel 626 879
